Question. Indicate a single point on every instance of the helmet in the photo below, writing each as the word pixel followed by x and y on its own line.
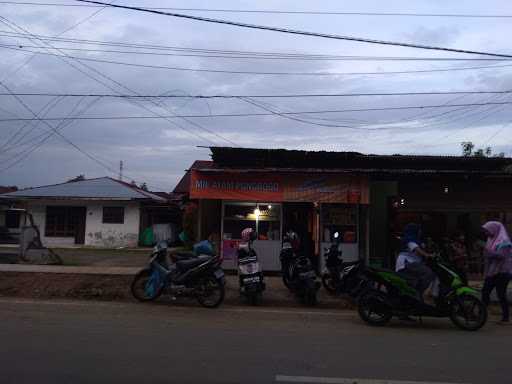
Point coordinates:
pixel 248 234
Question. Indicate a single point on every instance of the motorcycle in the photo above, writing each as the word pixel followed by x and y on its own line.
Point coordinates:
pixel 341 277
pixel 388 293
pixel 298 273
pixel 249 271
pixel 198 275
pixel 334 266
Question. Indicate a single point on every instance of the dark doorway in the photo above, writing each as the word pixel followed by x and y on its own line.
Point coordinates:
pixel 300 217
pixel 78 217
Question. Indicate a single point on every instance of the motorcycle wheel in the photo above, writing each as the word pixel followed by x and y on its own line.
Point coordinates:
pixel 468 313
pixel 373 309
pixel 210 292
pixel 254 299
pixel 287 283
pixel 310 298
pixel 328 283
pixel 139 286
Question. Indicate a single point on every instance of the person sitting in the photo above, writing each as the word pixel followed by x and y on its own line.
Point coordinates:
pixel 410 263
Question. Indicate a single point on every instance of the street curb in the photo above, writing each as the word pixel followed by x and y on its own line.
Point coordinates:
pixel 122 271
pixel 116 287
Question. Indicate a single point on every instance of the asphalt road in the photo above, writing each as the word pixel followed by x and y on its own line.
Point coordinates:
pixel 88 342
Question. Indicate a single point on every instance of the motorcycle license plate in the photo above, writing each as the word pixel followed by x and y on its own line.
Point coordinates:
pixel 248 280
pixel 219 273
pixel 308 275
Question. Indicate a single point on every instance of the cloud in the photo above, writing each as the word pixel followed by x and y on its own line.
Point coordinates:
pixel 442 36
pixel 157 151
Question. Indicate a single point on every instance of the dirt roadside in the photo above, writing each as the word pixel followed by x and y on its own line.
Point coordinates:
pixel 117 288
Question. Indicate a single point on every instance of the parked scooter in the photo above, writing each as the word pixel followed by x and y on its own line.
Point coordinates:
pixel 287 257
pixel 340 277
pixel 249 270
pixel 198 275
pixel 333 266
pixel 298 273
pixel 389 294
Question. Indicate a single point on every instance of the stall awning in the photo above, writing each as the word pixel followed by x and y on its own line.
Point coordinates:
pixel 277 187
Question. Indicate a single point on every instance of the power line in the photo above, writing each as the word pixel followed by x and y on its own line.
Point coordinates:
pixel 260 57
pixel 117 83
pixel 55 130
pixel 285 12
pixel 47 135
pixel 294 95
pixel 238 53
pixel 266 114
pixel 298 32
pixel 26 62
pixel 266 73
pixel 75 25
pixel 43 111
pixel 7 22
pixel 290 117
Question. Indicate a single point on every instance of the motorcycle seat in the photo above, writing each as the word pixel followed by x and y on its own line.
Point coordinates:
pixel 378 269
pixel 183 255
pixel 191 263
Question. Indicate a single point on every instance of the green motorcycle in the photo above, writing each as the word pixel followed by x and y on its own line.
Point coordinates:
pixel 387 294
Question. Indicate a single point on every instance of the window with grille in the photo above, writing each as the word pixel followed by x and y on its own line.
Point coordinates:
pixel 113 215
pixel 12 219
pixel 60 222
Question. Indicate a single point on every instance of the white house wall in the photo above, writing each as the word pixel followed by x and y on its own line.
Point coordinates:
pixel 112 235
pixel 96 232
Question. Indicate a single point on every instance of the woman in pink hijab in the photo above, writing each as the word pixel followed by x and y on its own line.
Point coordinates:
pixel 498 265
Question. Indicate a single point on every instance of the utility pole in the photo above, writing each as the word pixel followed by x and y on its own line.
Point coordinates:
pixel 121 170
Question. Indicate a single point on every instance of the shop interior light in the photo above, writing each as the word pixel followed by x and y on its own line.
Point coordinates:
pixel 269 206
pixel 257 212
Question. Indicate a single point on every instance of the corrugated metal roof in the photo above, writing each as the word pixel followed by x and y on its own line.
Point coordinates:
pixel 351 170
pixel 100 188
pixel 227 157
pixel 183 185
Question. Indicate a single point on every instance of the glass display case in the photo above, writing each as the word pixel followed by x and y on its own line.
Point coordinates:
pixel 264 219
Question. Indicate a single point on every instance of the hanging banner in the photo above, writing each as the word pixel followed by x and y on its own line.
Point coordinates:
pixel 326 188
pixel 266 187
pixel 236 186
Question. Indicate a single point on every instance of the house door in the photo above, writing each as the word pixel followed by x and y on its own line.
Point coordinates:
pixel 78 216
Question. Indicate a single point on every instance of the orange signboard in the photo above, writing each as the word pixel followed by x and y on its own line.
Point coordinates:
pixel 266 187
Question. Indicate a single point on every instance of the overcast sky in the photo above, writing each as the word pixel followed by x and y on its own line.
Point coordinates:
pixel 158 151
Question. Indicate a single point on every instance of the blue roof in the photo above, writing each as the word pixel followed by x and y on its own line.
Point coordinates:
pixel 100 188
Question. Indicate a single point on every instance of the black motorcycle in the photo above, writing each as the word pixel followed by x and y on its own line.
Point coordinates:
pixel 298 273
pixel 331 276
pixel 340 277
pixel 197 275
pixel 250 274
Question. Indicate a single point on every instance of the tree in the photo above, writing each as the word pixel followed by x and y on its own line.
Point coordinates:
pixel 80 177
pixel 468 150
